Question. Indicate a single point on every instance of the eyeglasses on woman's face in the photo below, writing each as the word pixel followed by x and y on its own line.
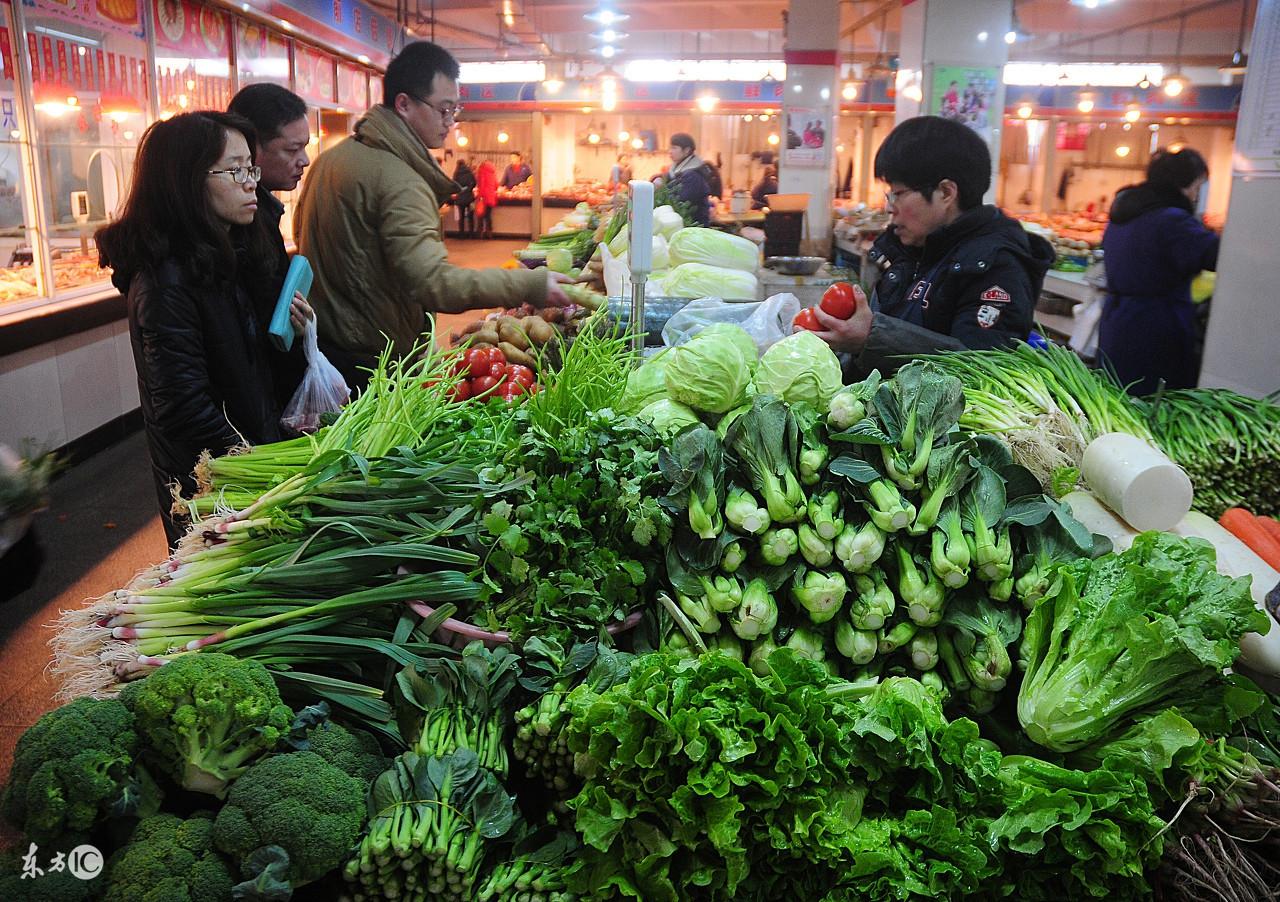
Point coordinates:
pixel 241 175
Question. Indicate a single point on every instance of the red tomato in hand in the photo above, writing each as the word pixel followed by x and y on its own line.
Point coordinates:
pixel 806 320
pixel 484 385
pixel 519 374
pixel 838 301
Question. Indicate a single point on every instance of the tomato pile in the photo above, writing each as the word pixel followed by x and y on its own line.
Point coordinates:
pixel 486 374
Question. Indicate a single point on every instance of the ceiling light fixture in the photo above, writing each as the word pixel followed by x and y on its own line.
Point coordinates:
pixel 1239 59
pixel 707 102
pixel 637 143
pixel 1086 102
pixel 608 51
pixel 593 138
pixel 1132 113
pixel 503 137
pixel 1122 151
pixel 623 136
pixel 773 139
pixel 1176 83
pixel 982 36
pixel 850 90
pixel 606 17
pixel 1025 109
pixel 461 139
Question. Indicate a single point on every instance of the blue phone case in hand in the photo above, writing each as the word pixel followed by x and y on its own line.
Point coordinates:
pixel 297 280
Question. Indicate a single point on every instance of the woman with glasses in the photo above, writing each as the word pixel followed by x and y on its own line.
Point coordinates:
pixel 185 256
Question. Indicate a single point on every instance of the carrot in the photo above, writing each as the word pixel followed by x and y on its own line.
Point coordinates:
pixel 1245 527
pixel 1271 525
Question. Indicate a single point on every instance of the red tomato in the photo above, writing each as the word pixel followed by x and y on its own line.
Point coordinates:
pixel 484 385
pixel 806 320
pixel 535 388
pixel 477 361
pixel 496 370
pixel 496 357
pixel 461 391
pixel 510 391
pixel 459 367
pixel 519 374
pixel 838 300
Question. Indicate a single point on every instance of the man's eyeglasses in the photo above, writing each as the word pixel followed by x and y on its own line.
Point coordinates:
pixel 448 111
pixel 892 197
pixel 241 174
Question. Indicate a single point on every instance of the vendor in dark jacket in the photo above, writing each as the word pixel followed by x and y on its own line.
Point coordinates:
pixel 954 273
pixel 279 119
pixel 1154 246
pixel 185 253
pixel 687 179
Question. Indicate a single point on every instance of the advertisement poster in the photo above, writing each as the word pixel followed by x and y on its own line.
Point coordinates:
pixel 806 137
pixel 966 94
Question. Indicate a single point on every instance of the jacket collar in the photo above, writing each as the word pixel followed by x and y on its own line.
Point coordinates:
pixel 1133 201
pixel 689 163
pixel 383 128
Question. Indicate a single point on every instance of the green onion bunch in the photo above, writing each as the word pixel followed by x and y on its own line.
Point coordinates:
pixel 1045 404
pixel 1228 444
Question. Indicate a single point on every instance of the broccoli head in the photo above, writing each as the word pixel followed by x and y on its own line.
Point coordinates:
pixel 75 767
pixel 205 717
pixel 299 802
pixel 168 859
pixel 351 751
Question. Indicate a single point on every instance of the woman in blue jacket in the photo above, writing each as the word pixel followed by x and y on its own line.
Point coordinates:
pixel 1154 246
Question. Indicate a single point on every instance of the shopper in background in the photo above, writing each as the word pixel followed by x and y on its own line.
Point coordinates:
pixel 1154 245
pixel 687 179
pixel 955 273
pixel 369 221
pixel 279 119
pixel 767 185
pixel 620 175
pixel 185 253
pixel 517 172
pixel 464 198
pixel 486 197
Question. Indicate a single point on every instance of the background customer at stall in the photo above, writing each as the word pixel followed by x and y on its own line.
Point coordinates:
pixel 369 222
pixel 687 179
pixel 1154 245
pixel 279 119
pixel 767 185
pixel 185 253
pixel 955 273
pixel 464 199
pixel 517 172
pixel 486 197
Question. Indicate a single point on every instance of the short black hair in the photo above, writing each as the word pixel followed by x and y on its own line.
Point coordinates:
pixel 682 139
pixel 923 151
pixel 269 107
pixel 1176 168
pixel 415 68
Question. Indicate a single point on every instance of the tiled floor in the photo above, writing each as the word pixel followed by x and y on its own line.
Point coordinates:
pixel 100 529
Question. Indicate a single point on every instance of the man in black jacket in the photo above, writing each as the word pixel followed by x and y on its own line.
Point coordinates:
pixel 279 117
pixel 954 273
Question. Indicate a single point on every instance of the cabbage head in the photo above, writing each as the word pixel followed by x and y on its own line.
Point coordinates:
pixel 668 417
pixel 708 373
pixel 698 280
pixel 645 384
pixel 666 221
pixel 739 336
pixel 715 248
pixel 800 367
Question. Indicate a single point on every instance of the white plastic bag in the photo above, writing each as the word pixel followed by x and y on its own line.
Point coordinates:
pixel 766 321
pixel 1084 334
pixel 323 390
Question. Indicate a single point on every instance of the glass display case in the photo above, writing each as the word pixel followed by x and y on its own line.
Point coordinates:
pixel 77 93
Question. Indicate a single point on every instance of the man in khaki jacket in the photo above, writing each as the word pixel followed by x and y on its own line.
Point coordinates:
pixel 369 222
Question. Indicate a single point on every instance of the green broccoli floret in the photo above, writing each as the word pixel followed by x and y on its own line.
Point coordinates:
pixel 351 751
pixel 75 767
pixel 205 717
pixel 297 801
pixel 169 859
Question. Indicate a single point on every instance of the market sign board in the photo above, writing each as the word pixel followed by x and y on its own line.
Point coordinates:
pixel 121 16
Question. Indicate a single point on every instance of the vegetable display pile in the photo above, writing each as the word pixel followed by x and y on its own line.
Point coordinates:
pixel 1046 405
pixel 717 626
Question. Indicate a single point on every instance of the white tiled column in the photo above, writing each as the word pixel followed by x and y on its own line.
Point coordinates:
pixel 962 33
pixel 813 33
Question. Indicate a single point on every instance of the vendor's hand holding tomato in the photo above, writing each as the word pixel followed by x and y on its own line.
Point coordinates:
pixel 805 319
pixel 838 300
pixel 849 334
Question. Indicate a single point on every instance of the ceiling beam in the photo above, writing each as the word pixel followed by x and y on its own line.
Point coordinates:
pixel 870 17
pixel 1145 24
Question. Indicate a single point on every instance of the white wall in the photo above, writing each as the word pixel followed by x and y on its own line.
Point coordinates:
pixel 56 392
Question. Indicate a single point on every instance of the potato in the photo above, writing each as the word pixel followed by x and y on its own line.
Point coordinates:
pixel 539 330
pixel 488 336
pixel 516 355
pixel 513 333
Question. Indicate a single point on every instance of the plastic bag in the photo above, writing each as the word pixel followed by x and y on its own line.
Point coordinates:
pixel 766 321
pixel 323 390
pixel 1084 334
